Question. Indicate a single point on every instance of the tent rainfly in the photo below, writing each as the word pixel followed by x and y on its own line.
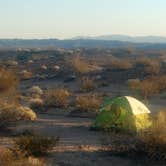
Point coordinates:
pixel 124 113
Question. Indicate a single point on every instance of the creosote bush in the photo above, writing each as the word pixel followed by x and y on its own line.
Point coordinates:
pixel 35 145
pixel 151 66
pixel 87 84
pixel 153 141
pixel 12 113
pixel 7 80
pixel 121 64
pixel 9 157
pixel 10 109
pixel 89 102
pixel 57 97
pixel 149 86
pixel 80 65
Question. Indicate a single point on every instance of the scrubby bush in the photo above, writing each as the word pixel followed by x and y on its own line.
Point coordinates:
pixel 121 64
pixel 36 102
pixel 87 84
pixel 80 65
pixel 153 141
pixel 12 113
pixel 133 83
pixel 36 90
pixel 151 66
pixel 25 75
pixel 26 113
pixel 89 102
pixel 35 145
pixel 10 109
pixel 7 80
pixel 57 97
pixel 13 158
pixel 149 86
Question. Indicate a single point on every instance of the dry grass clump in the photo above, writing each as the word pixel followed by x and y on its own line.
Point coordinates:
pixel 25 113
pixel 57 97
pixel 7 80
pixel 36 102
pixel 36 97
pixel 12 112
pixel 149 86
pixel 10 158
pixel 87 84
pixel 121 64
pixel 153 141
pixel 11 63
pixel 80 65
pixel 10 109
pixel 151 66
pixel 43 67
pixel 36 90
pixel 89 102
pixel 35 145
pixel 133 83
pixel 25 75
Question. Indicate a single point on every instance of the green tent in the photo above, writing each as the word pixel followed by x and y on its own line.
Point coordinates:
pixel 124 113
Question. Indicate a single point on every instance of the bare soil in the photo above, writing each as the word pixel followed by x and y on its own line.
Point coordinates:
pixel 78 145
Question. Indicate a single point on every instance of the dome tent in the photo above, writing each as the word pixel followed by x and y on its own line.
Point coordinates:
pixel 123 112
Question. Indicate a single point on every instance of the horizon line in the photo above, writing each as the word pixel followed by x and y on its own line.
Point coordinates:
pixel 78 36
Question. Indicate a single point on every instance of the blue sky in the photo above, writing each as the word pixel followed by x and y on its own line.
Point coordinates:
pixel 68 18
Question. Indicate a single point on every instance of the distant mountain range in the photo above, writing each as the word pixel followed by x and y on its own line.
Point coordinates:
pixel 125 38
pixel 110 41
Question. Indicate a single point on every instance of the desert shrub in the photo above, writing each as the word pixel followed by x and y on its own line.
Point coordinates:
pixel 80 65
pixel 35 145
pixel 121 64
pixel 36 102
pixel 36 90
pixel 149 86
pixel 89 102
pixel 7 80
pixel 151 66
pixel 43 67
pixel 57 97
pixel 24 75
pixel 11 113
pixel 25 113
pixel 10 109
pixel 11 63
pixel 87 84
pixel 153 141
pixel 13 158
pixel 133 83
pixel 5 156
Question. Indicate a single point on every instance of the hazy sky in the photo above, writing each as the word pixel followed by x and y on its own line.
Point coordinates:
pixel 68 18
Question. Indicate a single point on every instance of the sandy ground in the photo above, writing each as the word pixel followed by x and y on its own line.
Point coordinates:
pixel 78 146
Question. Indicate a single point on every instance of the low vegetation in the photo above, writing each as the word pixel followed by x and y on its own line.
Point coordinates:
pixel 57 97
pixel 7 80
pixel 153 141
pixel 35 145
pixel 121 64
pixel 10 108
pixel 13 158
pixel 87 84
pixel 149 86
pixel 12 113
pixel 89 102
pixel 151 66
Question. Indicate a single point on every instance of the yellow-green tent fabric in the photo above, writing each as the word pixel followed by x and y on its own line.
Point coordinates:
pixel 123 112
